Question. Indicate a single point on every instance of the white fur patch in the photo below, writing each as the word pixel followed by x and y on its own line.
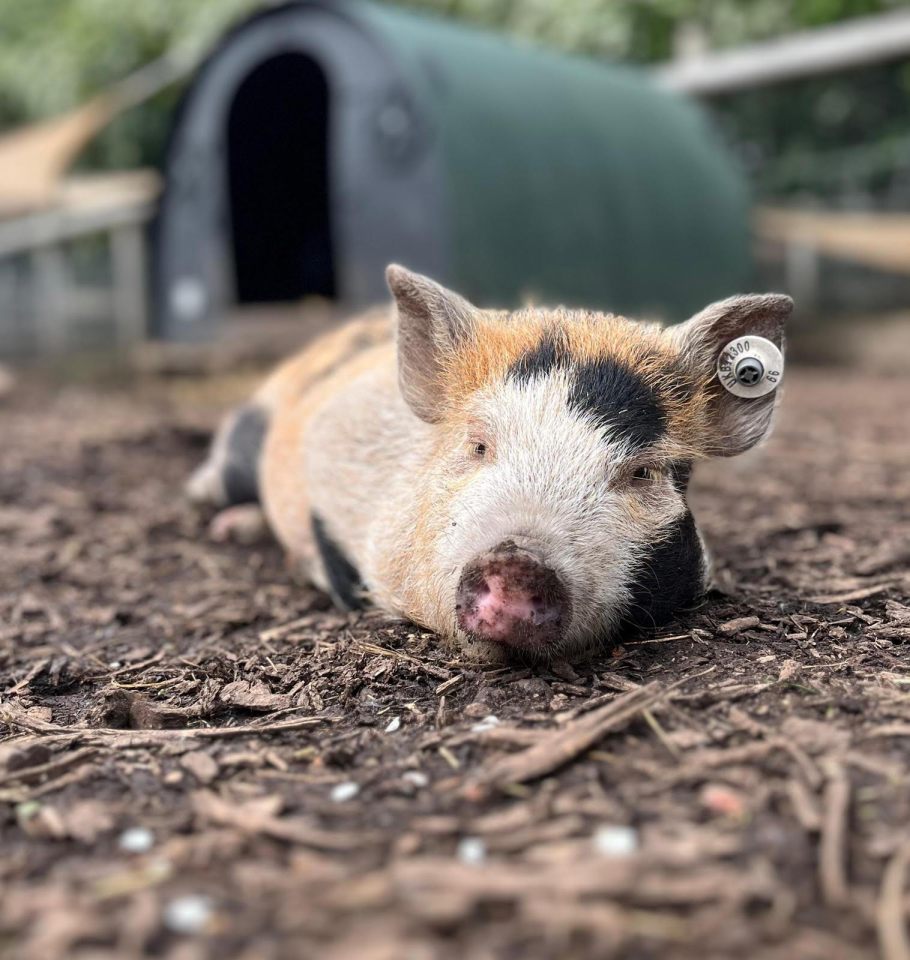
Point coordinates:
pixel 547 485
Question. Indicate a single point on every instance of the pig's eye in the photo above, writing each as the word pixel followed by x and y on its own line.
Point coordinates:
pixel 479 451
pixel 645 475
pixel 478 446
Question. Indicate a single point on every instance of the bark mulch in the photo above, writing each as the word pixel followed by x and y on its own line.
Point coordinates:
pixel 200 759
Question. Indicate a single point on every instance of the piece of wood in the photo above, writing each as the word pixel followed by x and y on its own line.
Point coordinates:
pixel 829 49
pixel 50 284
pixel 128 264
pixel 34 159
pixel 879 240
pixel 891 913
pixel 832 860
pixel 565 744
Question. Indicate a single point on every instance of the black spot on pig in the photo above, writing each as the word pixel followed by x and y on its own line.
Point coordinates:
pixel 550 354
pixel 619 400
pixel 670 577
pixel 680 474
pixel 344 579
pixel 240 472
pixel 613 394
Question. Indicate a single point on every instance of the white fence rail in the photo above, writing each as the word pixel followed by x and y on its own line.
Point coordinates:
pixel 43 306
pixel 824 50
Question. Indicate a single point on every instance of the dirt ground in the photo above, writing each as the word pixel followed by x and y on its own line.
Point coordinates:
pixel 199 759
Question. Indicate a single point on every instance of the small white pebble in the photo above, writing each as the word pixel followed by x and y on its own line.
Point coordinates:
pixel 136 840
pixel 115 664
pixel 417 777
pixel 26 810
pixel 188 914
pixel 344 791
pixel 393 725
pixel 486 724
pixel 471 850
pixel 616 841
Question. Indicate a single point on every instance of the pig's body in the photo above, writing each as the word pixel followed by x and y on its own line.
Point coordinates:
pixel 334 464
pixel 513 481
pixel 324 508
pixel 338 472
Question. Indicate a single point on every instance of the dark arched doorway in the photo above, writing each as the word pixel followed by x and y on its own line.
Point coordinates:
pixel 277 157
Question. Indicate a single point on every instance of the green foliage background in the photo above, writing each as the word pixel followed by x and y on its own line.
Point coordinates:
pixel 56 53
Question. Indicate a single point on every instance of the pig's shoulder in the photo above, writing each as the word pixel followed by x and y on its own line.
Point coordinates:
pixel 324 357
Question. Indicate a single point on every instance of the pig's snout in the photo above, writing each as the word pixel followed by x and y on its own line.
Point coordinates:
pixel 510 596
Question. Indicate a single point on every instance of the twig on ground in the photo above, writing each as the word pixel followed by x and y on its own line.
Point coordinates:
pixel 832 865
pixel 890 919
pixel 564 745
pixel 661 734
pixel 36 668
pixel 385 652
pixel 36 772
pixel 105 736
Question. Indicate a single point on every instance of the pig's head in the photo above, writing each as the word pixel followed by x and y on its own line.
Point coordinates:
pixel 553 512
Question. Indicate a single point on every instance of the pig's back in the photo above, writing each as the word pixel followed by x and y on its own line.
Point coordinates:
pixel 232 471
pixel 321 359
pixel 320 405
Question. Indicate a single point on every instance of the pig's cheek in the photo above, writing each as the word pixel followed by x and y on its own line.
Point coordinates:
pixel 452 551
pixel 467 501
pixel 445 589
pixel 646 516
pixel 436 578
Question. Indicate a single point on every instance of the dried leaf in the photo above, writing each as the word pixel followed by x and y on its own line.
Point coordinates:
pixel 253 696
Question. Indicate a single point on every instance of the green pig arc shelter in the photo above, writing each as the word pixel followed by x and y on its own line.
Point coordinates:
pixel 321 140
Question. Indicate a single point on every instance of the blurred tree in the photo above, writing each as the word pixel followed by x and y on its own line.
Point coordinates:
pixel 56 53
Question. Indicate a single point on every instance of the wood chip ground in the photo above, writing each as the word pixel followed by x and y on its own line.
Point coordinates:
pixel 199 759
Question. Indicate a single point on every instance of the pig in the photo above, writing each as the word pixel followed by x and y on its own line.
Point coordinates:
pixel 514 481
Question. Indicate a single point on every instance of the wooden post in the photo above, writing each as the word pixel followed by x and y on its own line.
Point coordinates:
pixel 9 309
pixel 130 306
pixel 802 267
pixel 49 289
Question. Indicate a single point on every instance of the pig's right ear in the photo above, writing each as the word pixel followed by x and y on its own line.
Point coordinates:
pixel 432 321
pixel 713 343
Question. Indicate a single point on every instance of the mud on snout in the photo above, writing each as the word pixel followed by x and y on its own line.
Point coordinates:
pixel 510 598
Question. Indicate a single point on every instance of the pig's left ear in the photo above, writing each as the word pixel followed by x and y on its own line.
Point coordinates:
pixel 713 344
pixel 432 321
